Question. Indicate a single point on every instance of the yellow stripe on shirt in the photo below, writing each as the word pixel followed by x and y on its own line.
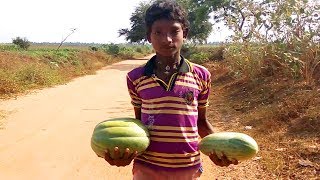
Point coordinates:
pixel 138 80
pixel 175 160
pixel 185 84
pixel 185 106
pixel 181 112
pixel 167 98
pixel 147 86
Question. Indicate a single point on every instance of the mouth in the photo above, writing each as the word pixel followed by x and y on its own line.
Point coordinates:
pixel 168 47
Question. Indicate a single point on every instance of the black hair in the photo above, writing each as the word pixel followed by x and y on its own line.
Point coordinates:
pixel 166 9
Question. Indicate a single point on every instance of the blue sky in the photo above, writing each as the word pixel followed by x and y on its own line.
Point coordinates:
pixel 96 21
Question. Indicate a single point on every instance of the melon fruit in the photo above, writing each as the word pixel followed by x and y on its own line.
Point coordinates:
pixel 234 145
pixel 122 133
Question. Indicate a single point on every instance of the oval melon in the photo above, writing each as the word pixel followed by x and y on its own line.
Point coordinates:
pixel 119 132
pixel 235 146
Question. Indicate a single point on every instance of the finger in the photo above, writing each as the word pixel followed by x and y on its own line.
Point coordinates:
pixel 108 158
pixel 107 155
pixel 215 158
pixel 235 162
pixel 225 161
pixel 134 154
pixel 126 153
pixel 116 153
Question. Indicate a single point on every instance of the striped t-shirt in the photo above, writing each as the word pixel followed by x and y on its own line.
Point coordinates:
pixel 170 112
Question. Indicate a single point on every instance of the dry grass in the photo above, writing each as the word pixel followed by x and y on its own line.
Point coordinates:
pixel 23 71
pixel 284 116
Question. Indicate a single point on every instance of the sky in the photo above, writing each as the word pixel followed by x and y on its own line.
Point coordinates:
pixel 96 21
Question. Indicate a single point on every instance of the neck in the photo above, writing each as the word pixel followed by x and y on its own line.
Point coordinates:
pixel 168 60
pixel 167 64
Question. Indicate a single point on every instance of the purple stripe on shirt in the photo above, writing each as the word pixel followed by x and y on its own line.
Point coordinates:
pixel 175 147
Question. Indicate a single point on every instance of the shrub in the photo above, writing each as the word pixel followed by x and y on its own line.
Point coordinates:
pixel 112 49
pixel 21 42
pixel 9 47
pixel 199 58
pixel 93 48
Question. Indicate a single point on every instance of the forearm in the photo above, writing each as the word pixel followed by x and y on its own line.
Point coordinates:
pixel 137 112
pixel 204 128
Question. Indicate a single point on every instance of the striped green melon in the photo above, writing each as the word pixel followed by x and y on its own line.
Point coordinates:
pixel 119 132
pixel 235 146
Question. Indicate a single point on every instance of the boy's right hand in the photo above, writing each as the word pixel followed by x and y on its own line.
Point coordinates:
pixel 222 161
pixel 120 161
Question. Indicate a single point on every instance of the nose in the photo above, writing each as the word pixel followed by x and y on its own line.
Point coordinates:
pixel 167 38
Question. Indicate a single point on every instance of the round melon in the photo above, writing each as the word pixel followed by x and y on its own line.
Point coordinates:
pixel 119 132
pixel 234 145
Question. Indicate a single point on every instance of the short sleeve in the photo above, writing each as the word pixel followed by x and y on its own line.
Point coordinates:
pixel 203 98
pixel 135 98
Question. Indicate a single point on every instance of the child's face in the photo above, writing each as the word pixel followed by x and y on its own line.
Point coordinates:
pixel 166 37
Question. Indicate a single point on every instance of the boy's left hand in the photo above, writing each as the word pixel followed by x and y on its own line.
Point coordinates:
pixel 223 161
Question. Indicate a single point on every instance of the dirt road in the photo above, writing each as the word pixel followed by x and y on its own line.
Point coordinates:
pixel 47 133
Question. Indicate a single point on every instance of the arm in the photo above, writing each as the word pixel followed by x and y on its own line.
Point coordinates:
pixel 137 112
pixel 204 126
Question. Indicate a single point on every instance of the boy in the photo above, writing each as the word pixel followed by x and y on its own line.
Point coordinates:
pixel 170 96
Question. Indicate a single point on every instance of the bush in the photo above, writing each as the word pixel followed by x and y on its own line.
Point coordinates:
pixel 112 49
pixel 9 47
pixel 245 60
pixel 199 58
pixel 126 53
pixel 93 48
pixel 21 42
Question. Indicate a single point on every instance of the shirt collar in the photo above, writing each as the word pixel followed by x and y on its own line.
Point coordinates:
pixel 184 68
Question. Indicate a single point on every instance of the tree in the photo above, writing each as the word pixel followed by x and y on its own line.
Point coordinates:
pixel 21 42
pixel 267 20
pixel 137 33
pixel 198 16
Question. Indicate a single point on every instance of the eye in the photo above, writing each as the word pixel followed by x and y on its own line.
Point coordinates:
pixel 175 32
pixel 157 33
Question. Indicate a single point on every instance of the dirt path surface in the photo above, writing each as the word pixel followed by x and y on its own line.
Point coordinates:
pixel 47 133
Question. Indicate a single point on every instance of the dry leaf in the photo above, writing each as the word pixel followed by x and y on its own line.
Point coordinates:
pixel 256 158
pixel 313 146
pixel 281 149
pixel 305 163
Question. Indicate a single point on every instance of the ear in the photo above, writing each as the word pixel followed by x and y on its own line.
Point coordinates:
pixel 185 33
pixel 148 37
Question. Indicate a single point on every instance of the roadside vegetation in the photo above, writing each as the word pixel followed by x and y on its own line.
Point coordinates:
pixel 274 103
pixel 267 84
pixel 44 66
